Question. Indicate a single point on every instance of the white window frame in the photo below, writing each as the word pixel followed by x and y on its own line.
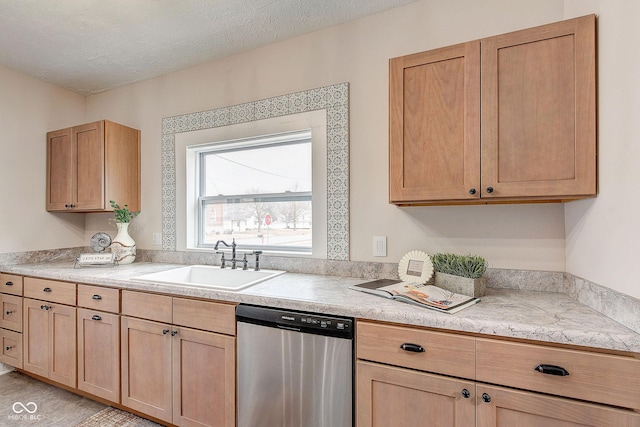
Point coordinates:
pixel 199 156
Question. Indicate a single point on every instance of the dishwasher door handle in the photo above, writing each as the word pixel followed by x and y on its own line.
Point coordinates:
pixel 288 328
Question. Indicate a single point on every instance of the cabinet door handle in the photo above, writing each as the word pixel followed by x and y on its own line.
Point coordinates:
pixel 174 333
pixel 415 348
pixel 8 312
pixel 472 191
pixel 465 393
pixel 165 331
pixel 9 347
pixel 96 296
pixel 489 190
pixel 8 283
pixel 46 290
pixel 551 370
pixel 45 307
pixel 486 398
pixel 96 317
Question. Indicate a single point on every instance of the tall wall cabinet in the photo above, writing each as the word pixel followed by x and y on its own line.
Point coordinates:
pixel 90 164
pixel 502 119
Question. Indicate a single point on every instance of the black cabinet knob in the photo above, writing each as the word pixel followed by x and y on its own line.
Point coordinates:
pixel 8 312
pixel 486 398
pixel 174 333
pixel 46 290
pixel 465 393
pixel 472 191
pixel 165 331
pixel 9 347
pixel 489 190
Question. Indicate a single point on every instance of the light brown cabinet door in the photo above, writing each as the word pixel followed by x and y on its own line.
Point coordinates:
pixel 434 127
pixel 62 344
pixel 89 179
pixel 36 337
pixel 99 354
pixel 203 378
pixel 50 340
pixel 90 164
pixel 60 170
pixel 11 315
pixel 539 112
pixel 502 407
pixel 395 397
pixel 146 367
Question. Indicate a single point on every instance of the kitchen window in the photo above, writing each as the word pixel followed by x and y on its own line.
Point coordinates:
pixel 255 190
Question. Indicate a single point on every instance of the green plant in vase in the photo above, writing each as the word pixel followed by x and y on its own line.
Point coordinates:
pixel 123 246
pixel 462 274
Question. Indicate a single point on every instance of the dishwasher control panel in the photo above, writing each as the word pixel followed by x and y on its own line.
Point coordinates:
pixel 296 320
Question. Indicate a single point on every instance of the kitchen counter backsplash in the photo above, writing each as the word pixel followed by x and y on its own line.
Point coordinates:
pixel 619 307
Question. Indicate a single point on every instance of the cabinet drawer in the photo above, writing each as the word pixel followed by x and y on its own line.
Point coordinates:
pixel 50 290
pixel 10 284
pixel 602 378
pixel 11 315
pixel 11 351
pixel 147 306
pixel 442 353
pixel 99 298
pixel 210 316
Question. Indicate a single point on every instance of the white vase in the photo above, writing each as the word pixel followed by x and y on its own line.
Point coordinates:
pixel 123 246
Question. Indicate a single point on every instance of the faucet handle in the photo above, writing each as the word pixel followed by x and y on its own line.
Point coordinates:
pixel 257 254
pixel 245 262
pixel 223 262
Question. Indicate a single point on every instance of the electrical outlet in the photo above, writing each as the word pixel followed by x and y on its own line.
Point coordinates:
pixel 157 239
pixel 379 246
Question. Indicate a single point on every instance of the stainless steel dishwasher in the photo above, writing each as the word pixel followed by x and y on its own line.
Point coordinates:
pixel 295 369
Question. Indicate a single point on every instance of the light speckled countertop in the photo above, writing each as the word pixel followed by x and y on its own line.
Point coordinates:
pixel 542 316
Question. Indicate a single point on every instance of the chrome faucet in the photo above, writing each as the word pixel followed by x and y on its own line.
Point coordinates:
pixel 233 252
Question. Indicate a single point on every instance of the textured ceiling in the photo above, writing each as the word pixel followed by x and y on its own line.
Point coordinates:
pixel 90 46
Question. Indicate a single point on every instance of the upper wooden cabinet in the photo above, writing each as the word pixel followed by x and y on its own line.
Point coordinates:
pixel 503 119
pixel 89 165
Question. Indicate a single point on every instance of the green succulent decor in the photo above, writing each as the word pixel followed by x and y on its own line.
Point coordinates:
pixel 470 266
pixel 122 214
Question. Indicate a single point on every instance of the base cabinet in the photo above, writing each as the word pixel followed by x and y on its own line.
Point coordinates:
pixel 398 388
pixel 11 320
pixel 50 341
pixel 396 397
pixel 99 354
pixel 504 407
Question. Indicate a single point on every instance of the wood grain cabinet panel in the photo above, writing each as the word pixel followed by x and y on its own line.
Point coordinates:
pixel 11 348
pixel 393 397
pixel 90 164
pixel 50 340
pixel 510 118
pixel 11 284
pixel 11 315
pixel 99 298
pixel 50 290
pixel 99 354
pixel 503 407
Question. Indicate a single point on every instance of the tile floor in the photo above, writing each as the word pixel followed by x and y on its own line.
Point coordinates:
pixel 26 401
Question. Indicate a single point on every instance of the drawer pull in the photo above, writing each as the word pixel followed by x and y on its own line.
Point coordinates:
pixel 9 283
pixel 8 312
pixel 8 348
pixel 96 317
pixel 415 348
pixel 165 331
pixel 96 296
pixel 551 370
pixel 465 393
pixel 46 290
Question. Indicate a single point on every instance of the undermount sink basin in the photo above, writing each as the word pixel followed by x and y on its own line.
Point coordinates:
pixel 210 277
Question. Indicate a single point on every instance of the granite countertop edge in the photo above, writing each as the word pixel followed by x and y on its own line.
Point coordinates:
pixel 547 317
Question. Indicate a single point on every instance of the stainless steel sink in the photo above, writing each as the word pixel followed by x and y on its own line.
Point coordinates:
pixel 210 277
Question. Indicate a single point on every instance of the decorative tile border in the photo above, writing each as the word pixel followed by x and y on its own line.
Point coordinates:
pixel 333 99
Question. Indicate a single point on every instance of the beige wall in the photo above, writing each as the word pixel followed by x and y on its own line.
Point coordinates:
pixel 527 236
pixel 28 109
pixel 603 234
pixel 595 239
